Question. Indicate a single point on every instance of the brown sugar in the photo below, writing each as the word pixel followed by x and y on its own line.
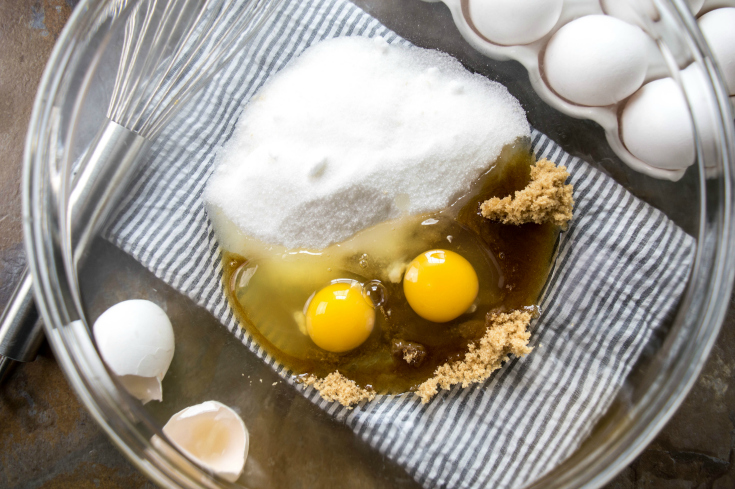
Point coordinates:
pixel 545 199
pixel 337 387
pixel 506 334
pixel 412 353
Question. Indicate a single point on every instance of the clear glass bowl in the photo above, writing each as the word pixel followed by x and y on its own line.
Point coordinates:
pixel 285 425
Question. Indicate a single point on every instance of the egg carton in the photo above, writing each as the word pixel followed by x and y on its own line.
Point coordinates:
pixel 531 57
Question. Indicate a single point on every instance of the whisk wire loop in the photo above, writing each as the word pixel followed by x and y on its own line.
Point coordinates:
pixel 256 10
pixel 180 62
pixel 170 49
pixel 115 102
pixel 176 56
pixel 127 88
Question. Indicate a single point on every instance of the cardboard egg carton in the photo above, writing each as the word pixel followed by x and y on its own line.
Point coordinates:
pixel 531 57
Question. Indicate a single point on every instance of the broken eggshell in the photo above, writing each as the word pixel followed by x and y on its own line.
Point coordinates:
pixel 212 435
pixel 136 341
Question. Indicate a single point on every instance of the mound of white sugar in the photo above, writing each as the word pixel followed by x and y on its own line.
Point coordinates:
pixel 355 132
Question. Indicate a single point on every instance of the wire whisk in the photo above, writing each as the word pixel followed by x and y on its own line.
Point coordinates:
pixel 170 50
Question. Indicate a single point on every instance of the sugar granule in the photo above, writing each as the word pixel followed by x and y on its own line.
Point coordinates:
pixel 354 132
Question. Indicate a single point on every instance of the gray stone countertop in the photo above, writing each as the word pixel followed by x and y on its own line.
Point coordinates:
pixel 47 439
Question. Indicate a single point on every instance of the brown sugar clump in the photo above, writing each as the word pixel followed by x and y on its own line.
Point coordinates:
pixel 337 387
pixel 412 353
pixel 545 199
pixel 410 356
pixel 506 334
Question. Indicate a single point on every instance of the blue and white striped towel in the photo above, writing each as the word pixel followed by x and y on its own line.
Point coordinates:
pixel 621 269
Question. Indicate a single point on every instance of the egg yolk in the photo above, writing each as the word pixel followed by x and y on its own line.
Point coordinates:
pixel 440 285
pixel 339 317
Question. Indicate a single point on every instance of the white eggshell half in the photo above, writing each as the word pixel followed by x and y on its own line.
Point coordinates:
pixel 656 126
pixel 213 435
pixel 136 341
pixel 596 60
pixel 718 28
pixel 144 388
pixel 511 22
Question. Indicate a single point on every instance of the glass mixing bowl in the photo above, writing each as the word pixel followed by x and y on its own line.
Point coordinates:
pixel 293 443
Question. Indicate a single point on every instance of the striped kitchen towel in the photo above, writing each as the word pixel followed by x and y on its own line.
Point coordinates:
pixel 621 268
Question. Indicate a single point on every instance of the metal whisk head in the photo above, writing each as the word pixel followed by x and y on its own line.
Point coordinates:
pixel 171 48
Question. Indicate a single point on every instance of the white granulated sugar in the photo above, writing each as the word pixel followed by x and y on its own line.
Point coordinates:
pixel 355 132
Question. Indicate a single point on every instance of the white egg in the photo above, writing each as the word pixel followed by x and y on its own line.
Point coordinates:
pixel 514 21
pixel 718 28
pixel 596 60
pixel 695 6
pixel 702 105
pixel 656 126
pixel 632 13
pixel 211 434
pixel 136 341
pixel 713 4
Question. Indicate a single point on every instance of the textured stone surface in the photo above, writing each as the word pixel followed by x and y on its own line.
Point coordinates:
pixel 48 440
pixel 28 30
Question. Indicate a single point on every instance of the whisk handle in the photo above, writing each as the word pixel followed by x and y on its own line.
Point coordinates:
pixel 21 331
pixel 104 173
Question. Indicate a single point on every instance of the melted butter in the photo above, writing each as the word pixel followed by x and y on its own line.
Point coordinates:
pixel 268 286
